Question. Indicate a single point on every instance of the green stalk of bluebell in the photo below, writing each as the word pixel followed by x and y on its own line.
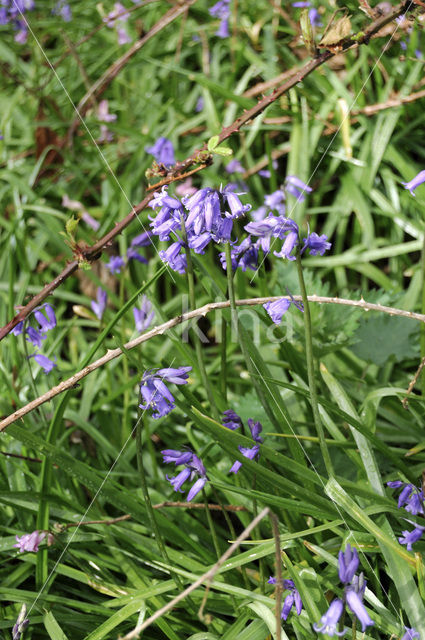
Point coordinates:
pixel 197 340
pixel 423 311
pixel 310 369
pixel 148 503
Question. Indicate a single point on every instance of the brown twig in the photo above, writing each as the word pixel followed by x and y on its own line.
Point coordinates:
pixel 107 522
pixel 206 577
pixel 181 167
pixel 414 380
pixel 278 574
pixel 106 78
pixel 201 505
pixel 196 313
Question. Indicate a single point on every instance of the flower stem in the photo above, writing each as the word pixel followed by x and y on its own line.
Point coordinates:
pixel 148 503
pixel 310 370
pixel 422 334
pixel 197 340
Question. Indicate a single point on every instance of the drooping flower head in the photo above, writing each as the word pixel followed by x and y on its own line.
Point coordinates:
pixel 115 264
pixel 45 323
pixel 231 420
pixel 292 598
pixel 329 621
pixel 316 245
pixel 162 151
pixel 144 315
pixel 156 394
pixel 193 468
pixel 99 306
pixel 415 182
pixel 297 187
pixel 45 363
pixel 348 563
pixel 278 308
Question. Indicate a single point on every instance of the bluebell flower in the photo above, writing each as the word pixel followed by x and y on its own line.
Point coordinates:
pixel 99 306
pixel 173 257
pixel 162 151
pixel 315 19
pixel 133 254
pixel 276 200
pixel 410 537
pixel 289 232
pixel 411 497
pixel 117 19
pixel 103 114
pixel 234 166
pixel 237 209
pixel 193 468
pixel 264 229
pixel 292 598
pixel 231 420
pixel 63 9
pixel 199 104
pixel 354 601
pixel 255 428
pixel 316 245
pixel 45 323
pixel 34 337
pixel 301 4
pixel 45 363
pixel 250 452
pixel 278 308
pixel 21 624
pixel 142 240
pixel 199 242
pixel 329 621
pixel 410 634
pixel 115 264
pixel 348 563
pixel 221 10
pixel 243 255
pixel 17 330
pixel 168 219
pixel 156 394
pixel 178 457
pixel 144 315
pixel 415 182
pixel 204 210
pixel 297 187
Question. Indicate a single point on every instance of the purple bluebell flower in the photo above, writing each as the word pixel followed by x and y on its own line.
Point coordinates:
pixel 22 32
pixel 17 330
pixel 221 10
pixel 410 537
pixel 193 468
pixel 292 598
pixel 255 428
pixel 45 323
pixel 316 245
pixel 133 254
pixel 314 16
pixel 354 601
pixel 411 497
pixel 278 308
pixel 297 187
pixel 186 188
pixel 105 134
pixel 199 242
pixel 199 104
pixel 21 624
pixel 276 200
pixel 265 229
pixel 172 256
pixel 90 221
pixel 123 37
pixel 142 240
pixel 143 316
pixel 231 420
pixel 178 457
pixel 248 452
pixel 63 10
pixel 99 306
pixel 45 363
pixel 259 214
pixel 156 394
pixel 410 634
pixel 29 541
pixel 34 337
pixel 237 209
pixel 234 166
pixel 329 621
pixel 204 210
pixel 115 264
pixel 223 29
pixel 415 182
pixel 162 151
pixel 289 232
pixel 244 255
pixel 301 4
pixel 348 563
pixel 168 219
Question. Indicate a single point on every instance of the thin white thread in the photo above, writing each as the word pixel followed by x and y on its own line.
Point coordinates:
pixel 385 47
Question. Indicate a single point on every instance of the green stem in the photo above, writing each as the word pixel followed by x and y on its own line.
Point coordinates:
pixel 310 370
pixel 211 526
pixel 223 354
pixel 197 340
pixel 148 503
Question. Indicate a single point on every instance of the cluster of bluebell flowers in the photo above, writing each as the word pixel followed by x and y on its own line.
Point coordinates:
pixel 232 421
pixel 293 598
pixel 117 19
pixel 155 393
pixel 193 468
pixel 12 12
pixel 36 335
pixel 411 498
pixel 354 588
pixel 221 10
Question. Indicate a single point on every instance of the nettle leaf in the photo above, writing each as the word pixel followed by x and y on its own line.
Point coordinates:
pixel 383 337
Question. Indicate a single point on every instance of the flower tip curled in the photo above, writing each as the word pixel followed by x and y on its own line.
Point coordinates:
pixel 415 182
pixel 329 620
